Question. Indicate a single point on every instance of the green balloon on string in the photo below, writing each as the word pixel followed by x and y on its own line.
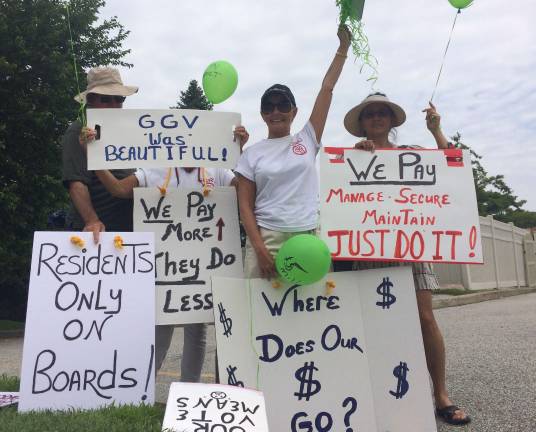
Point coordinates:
pixel 303 259
pixel 461 4
pixel 220 80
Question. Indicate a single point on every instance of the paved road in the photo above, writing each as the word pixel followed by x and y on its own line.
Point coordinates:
pixel 491 363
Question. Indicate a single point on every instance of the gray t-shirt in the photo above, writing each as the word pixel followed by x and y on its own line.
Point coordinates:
pixel 114 213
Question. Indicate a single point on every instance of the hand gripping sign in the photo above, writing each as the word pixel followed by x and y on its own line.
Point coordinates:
pixel 399 205
pixel 87 305
pixel 128 138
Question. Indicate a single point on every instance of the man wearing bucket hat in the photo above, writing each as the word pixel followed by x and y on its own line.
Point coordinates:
pixel 93 208
pixel 374 119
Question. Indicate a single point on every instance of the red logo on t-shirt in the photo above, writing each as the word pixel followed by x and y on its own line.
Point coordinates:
pixel 298 148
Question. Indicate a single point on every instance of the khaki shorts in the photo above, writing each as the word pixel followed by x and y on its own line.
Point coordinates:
pixel 273 241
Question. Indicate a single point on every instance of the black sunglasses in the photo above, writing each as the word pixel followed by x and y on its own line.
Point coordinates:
pixel 108 99
pixel 283 107
pixel 105 99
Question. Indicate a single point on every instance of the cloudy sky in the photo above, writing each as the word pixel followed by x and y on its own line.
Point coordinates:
pixel 487 91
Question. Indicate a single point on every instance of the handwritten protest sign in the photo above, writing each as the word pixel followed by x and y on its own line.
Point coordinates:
pixel 87 305
pixel 351 358
pixel 196 237
pixel 400 205
pixel 214 407
pixel 128 138
pixel 8 399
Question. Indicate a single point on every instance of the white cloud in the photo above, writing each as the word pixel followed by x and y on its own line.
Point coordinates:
pixel 486 92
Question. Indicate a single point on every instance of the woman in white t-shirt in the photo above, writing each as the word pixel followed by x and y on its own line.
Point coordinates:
pixel 193 354
pixel 277 182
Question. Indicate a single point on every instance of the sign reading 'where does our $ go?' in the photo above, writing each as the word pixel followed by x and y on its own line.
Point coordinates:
pixel 399 205
pixel 132 138
pixel 197 237
pixel 87 305
pixel 351 358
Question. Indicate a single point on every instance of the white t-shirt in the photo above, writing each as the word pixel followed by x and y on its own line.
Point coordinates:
pixel 284 173
pixel 214 177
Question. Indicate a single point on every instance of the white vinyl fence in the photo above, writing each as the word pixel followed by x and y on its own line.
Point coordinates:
pixel 509 260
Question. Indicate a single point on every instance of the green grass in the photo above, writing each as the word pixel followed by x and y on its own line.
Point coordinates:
pixel 9 384
pixel 11 325
pixel 111 419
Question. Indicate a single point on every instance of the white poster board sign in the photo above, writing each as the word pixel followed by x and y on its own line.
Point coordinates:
pixel 352 358
pixel 196 237
pixel 214 407
pixel 399 205
pixel 89 337
pixel 134 138
pixel 8 399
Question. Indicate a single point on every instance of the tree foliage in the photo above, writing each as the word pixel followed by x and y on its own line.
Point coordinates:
pixel 37 85
pixel 494 197
pixel 193 98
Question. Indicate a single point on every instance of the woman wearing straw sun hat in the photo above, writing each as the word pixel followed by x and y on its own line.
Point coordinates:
pixel 373 120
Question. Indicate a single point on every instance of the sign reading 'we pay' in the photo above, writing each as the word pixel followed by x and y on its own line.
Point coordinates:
pixel 399 205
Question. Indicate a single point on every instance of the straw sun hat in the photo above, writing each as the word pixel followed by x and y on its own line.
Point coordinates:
pixel 105 81
pixel 351 120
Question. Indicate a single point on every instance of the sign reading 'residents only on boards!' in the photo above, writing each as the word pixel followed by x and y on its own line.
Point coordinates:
pixel 399 205
pixel 89 336
pixel 132 138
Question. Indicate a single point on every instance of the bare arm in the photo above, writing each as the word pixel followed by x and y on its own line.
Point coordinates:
pixel 323 100
pixel 81 199
pixel 118 188
pixel 247 191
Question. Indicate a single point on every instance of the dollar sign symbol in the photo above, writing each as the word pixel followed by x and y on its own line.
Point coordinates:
pixel 384 289
pixel 402 386
pixel 308 386
pixel 231 380
pixel 227 322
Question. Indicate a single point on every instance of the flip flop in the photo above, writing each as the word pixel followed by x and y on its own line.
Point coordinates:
pixel 447 415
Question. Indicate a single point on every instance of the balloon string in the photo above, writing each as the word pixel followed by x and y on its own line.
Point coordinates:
pixel 445 55
pixel 81 115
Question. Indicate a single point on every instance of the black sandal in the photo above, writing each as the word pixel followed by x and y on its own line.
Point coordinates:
pixel 447 415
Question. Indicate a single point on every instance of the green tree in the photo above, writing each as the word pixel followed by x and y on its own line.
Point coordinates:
pixel 37 85
pixel 193 98
pixel 494 196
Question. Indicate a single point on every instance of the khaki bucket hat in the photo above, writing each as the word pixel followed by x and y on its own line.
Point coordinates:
pixel 351 120
pixel 106 81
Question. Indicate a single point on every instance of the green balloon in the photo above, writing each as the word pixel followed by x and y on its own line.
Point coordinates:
pixel 220 80
pixel 460 4
pixel 303 259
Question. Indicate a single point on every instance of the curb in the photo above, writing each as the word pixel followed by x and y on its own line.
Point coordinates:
pixel 478 297
pixel 460 300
